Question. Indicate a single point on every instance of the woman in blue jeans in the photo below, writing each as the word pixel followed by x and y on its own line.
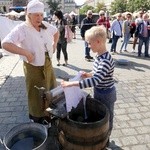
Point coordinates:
pixel 126 39
pixel 126 28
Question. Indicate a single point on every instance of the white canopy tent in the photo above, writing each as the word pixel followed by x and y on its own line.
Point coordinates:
pixel 6 25
pixel 73 13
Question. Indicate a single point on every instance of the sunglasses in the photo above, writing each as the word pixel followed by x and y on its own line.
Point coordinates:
pixel 102 14
pixel 89 14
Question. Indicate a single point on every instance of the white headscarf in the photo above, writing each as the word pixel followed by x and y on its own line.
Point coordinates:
pixel 35 6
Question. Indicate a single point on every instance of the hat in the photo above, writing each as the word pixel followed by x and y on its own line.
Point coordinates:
pixel 35 6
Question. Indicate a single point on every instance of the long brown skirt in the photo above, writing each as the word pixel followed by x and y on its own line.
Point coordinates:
pixel 40 76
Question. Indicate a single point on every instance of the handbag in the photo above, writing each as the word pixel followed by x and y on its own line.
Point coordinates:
pixel 68 34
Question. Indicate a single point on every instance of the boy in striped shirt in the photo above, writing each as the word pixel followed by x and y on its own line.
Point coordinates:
pixel 101 78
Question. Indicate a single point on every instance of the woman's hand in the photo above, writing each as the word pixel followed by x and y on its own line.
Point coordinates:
pixel 54 47
pixel 30 56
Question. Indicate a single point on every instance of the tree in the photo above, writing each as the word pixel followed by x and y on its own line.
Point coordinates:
pixel 129 5
pixel 135 5
pixel 85 8
pixel 100 6
pixel 54 5
pixel 118 6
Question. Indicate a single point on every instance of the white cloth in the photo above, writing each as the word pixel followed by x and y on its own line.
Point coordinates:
pixel 74 94
pixel 138 20
pixel 6 25
pixel 36 42
pixel 35 6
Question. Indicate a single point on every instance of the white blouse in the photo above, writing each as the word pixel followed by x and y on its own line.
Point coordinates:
pixel 36 42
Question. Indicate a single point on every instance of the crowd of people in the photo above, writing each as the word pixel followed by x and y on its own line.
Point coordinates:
pixel 125 26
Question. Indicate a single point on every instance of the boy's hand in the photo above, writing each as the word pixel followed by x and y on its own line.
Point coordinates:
pixel 69 84
pixel 65 83
pixel 86 75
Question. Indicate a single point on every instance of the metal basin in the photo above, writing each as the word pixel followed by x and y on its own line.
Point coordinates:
pixel 28 136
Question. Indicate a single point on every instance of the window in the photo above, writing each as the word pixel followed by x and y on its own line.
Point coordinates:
pixel 17 9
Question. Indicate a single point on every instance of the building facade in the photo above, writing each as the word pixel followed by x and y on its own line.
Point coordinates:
pixel 66 5
pixel 4 5
pixel 94 2
pixel 20 2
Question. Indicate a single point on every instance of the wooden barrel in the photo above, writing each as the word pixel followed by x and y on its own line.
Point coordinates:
pixel 90 134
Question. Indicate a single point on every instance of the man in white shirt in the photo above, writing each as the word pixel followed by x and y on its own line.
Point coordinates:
pixel 116 30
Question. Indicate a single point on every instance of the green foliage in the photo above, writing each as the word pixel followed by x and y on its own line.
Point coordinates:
pixel 54 5
pixel 85 8
pixel 118 6
pixel 129 5
pixel 100 6
pixel 135 5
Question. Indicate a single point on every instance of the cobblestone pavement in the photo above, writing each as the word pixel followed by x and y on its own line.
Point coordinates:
pixel 132 110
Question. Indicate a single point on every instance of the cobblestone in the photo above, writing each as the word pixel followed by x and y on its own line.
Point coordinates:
pixel 132 109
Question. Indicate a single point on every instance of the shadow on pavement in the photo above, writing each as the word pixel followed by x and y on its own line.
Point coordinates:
pixel 77 68
pixel 113 146
pixel 131 65
pixel 61 74
pixel 134 55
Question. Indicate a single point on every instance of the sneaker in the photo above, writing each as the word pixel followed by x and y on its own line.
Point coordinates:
pixel 65 64
pixel 88 58
pixel 147 56
pixel 133 51
pixel 112 53
pixel 31 120
pixel 116 52
pixel 125 51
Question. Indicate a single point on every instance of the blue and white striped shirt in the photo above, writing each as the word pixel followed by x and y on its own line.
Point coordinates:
pixel 103 69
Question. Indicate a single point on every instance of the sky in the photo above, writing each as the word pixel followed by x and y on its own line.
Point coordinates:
pixel 79 2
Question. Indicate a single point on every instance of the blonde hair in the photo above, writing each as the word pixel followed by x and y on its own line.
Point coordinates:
pixel 89 12
pixel 101 12
pixel 96 32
